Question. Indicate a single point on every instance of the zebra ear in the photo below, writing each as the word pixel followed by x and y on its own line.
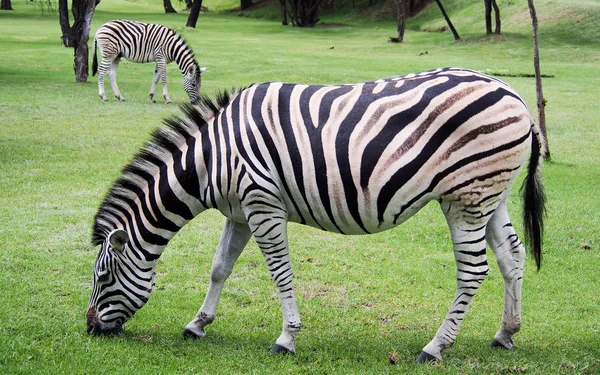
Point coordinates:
pixel 203 69
pixel 117 239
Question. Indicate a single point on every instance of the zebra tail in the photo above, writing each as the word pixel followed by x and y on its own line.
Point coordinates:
pixel 534 198
pixel 95 62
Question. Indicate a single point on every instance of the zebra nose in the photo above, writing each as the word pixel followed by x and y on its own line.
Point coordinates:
pixel 92 320
pixel 98 327
pixel 93 325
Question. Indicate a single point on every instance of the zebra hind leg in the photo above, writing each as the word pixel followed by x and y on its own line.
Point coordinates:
pixel 510 256
pixel 468 236
pixel 112 74
pixel 104 67
pixel 233 240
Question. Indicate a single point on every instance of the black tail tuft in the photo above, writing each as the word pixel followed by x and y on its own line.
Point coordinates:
pixel 95 62
pixel 534 201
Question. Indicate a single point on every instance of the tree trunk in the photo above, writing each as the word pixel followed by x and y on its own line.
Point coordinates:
pixel 497 13
pixel 401 19
pixel 168 7
pixel 5 5
pixel 456 37
pixel 304 13
pixel 488 16
pixel 245 4
pixel 78 35
pixel 538 79
pixel 194 13
pixel 284 20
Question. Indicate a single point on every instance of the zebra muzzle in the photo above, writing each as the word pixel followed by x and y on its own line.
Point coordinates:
pixel 97 327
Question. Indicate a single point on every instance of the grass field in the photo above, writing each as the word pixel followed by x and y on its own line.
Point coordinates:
pixel 361 298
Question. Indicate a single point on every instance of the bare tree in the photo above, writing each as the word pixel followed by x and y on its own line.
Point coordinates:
pixel 541 102
pixel 77 36
pixel 194 13
pixel 489 4
pixel 5 5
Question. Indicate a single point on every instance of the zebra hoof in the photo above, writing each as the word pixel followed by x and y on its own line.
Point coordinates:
pixel 191 334
pixel 168 102
pixel 426 357
pixel 280 350
pixel 499 344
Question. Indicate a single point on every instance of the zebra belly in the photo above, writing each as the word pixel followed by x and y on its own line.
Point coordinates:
pixel 354 217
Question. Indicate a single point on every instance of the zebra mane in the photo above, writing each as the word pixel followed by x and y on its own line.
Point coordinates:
pixel 183 39
pixel 210 108
pixel 163 142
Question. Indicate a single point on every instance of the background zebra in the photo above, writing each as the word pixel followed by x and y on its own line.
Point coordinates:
pixel 351 159
pixel 145 42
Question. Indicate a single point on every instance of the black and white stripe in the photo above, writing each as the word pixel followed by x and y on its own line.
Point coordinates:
pixel 142 43
pixel 351 159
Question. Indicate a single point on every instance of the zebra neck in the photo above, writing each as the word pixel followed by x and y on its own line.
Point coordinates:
pixel 185 60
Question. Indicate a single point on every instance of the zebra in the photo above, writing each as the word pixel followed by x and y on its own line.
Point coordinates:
pixel 145 42
pixel 351 159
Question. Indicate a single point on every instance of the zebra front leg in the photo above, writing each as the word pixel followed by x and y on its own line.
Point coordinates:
pixel 112 74
pixel 154 82
pixel 234 238
pixel 510 256
pixel 468 238
pixel 161 66
pixel 270 232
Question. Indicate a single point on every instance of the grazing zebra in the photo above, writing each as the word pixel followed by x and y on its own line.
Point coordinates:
pixel 351 159
pixel 145 42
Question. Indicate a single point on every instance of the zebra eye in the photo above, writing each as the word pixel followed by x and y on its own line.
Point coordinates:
pixel 103 275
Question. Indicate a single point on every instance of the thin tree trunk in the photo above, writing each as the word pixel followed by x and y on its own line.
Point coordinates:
pixel 488 16
pixel 194 13
pixel 401 19
pixel 284 20
pixel 497 15
pixel 538 78
pixel 168 7
pixel 456 37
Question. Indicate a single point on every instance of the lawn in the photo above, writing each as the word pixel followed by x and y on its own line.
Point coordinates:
pixel 362 298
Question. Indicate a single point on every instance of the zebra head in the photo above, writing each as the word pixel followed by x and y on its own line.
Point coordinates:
pixel 192 80
pixel 120 288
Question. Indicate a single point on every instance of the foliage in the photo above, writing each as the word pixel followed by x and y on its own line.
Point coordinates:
pixel 365 301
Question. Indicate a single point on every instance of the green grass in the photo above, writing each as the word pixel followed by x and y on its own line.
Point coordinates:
pixel 360 298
